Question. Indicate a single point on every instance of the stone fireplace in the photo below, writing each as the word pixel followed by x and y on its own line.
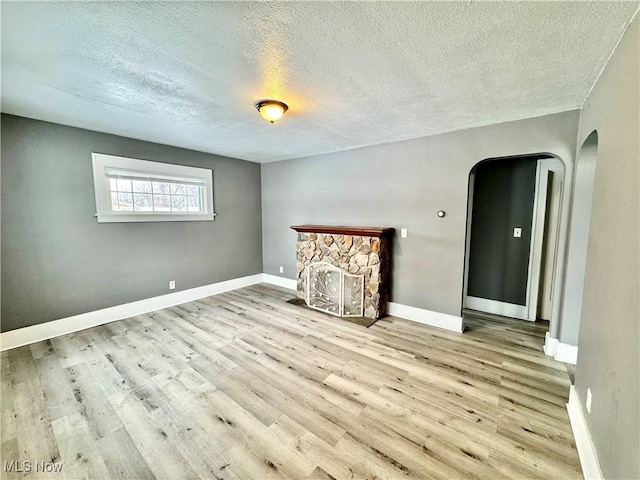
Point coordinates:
pixel 356 251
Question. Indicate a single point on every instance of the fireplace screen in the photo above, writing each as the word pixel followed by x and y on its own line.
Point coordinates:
pixel 331 290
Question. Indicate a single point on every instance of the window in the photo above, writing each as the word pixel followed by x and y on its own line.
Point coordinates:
pixel 130 190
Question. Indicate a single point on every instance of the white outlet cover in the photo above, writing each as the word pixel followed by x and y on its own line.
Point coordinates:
pixel 172 284
pixel 589 399
pixel 517 232
pixel 403 232
pixel 281 269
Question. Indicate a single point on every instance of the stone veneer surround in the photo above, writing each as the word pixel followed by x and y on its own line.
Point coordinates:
pixel 356 250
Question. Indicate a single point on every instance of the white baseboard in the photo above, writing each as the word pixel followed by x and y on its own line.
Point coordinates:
pixel 497 308
pixel 280 281
pixel 563 352
pixel 434 319
pixel 44 331
pixel 567 353
pixel 550 345
pixel 586 451
pixel 63 326
pixel 427 317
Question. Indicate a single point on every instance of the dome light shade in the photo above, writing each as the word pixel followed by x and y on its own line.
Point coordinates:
pixel 271 110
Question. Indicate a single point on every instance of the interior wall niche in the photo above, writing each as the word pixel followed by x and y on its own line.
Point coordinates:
pixel 579 237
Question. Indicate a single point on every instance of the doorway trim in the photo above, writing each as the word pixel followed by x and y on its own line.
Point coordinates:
pixel 529 311
pixel 496 307
pixel 544 168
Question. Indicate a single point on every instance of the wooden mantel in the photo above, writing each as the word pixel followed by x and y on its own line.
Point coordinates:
pixel 341 230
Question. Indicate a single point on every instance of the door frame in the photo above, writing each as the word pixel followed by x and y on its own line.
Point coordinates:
pixel 529 311
pixel 544 168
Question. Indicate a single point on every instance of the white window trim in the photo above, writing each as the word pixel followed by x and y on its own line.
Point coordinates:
pixel 105 214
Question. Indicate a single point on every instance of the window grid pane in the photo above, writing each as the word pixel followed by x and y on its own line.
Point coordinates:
pixel 152 196
pixel 126 190
pixel 124 185
pixel 125 201
pixel 142 186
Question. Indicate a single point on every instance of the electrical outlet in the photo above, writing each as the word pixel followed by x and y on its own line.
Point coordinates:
pixel 589 399
pixel 403 233
pixel 517 232
pixel 172 284
pixel 281 269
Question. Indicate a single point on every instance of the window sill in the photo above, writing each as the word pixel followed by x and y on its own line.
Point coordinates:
pixel 153 217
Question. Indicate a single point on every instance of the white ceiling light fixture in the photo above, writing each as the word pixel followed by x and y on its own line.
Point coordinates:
pixel 271 110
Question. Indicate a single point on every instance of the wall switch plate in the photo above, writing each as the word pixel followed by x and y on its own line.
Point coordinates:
pixel 281 269
pixel 588 402
pixel 517 232
pixel 403 232
pixel 172 284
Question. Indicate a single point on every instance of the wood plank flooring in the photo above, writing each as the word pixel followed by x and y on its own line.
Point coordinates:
pixel 244 385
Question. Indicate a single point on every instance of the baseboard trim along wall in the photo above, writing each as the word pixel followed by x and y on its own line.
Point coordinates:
pixel 498 308
pixel 280 281
pixel 427 317
pixel 44 331
pixel 563 352
pixel 550 345
pixel 567 353
pixel 63 326
pixel 586 451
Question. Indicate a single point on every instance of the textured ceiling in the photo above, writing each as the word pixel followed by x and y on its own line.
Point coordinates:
pixel 353 74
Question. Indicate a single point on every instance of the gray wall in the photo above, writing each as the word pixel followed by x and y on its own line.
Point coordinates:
pixel 402 185
pixel 608 358
pixel 579 234
pixel 58 261
pixel 503 196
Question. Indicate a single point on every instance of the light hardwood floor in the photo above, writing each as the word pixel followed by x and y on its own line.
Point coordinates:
pixel 244 385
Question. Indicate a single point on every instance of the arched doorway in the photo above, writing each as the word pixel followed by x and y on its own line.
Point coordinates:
pixel 512 236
